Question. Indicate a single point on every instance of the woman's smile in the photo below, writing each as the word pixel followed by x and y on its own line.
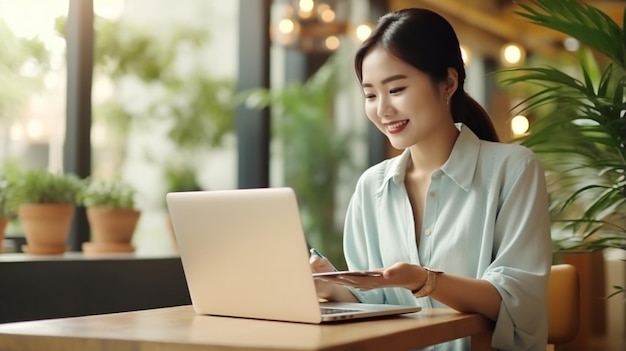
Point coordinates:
pixel 397 126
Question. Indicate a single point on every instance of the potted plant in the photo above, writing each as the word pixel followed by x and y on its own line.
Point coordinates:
pixel 579 132
pixel 45 205
pixel 111 213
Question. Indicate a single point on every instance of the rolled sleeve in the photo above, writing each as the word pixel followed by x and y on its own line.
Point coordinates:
pixel 522 261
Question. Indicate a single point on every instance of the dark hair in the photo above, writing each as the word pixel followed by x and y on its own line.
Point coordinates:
pixel 427 41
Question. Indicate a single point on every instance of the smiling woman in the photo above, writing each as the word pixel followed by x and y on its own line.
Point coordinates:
pixel 458 219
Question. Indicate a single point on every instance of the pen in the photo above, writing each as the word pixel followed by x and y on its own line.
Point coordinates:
pixel 314 251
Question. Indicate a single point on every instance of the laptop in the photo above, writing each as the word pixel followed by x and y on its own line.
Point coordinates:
pixel 244 254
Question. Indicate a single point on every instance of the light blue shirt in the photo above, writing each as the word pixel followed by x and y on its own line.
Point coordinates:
pixel 485 216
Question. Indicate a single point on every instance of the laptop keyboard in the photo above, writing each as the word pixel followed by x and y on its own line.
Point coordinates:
pixel 331 310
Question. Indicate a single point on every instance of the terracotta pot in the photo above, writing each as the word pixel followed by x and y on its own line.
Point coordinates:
pixel 3 225
pixel 111 229
pixel 46 227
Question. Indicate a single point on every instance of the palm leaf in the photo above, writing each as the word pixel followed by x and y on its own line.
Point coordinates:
pixel 582 21
pixel 580 129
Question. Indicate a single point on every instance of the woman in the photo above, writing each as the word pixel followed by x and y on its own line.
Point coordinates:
pixel 456 220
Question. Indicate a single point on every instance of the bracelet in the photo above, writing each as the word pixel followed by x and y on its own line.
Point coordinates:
pixel 429 285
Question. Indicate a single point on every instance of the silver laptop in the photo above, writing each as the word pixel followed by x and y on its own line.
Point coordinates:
pixel 244 254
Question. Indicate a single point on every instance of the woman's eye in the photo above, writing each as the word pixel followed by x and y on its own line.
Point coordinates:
pixel 396 90
pixel 369 96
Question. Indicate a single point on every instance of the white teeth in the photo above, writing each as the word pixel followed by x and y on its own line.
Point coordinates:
pixel 397 125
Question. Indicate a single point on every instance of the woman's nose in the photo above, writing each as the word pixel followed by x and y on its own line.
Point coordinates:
pixel 385 109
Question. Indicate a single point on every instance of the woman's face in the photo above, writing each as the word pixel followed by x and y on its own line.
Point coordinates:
pixel 402 101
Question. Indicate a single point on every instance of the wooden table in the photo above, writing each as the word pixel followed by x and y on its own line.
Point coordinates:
pixel 180 329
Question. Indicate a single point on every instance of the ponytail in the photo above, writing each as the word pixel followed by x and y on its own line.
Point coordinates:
pixel 469 112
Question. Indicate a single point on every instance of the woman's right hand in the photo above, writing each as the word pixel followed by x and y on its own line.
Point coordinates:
pixel 320 265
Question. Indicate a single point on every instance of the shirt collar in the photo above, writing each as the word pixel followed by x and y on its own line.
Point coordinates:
pixel 460 166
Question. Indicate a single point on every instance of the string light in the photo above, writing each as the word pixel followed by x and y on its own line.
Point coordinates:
pixel 314 26
pixel 305 8
pixel 332 42
pixel 571 44
pixel 520 125
pixel 512 54
pixel 363 32
pixel 286 26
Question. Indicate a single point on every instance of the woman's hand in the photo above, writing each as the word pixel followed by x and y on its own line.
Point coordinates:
pixel 319 265
pixel 403 275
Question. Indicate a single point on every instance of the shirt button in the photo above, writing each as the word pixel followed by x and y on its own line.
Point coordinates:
pixel 427 232
pixel 432 194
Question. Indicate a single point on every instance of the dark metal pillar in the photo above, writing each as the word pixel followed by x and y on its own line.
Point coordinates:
pixel 253 126
pixel 77 148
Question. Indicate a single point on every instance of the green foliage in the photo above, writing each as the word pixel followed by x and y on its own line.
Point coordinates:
pixel 581 130
pixel 11 172
pixel 115 194
pixel 199 107
pixel 582 21
pixel 114 115
pixel 181 178
pixel 5 209
pixel 15 54
pixel 126 50
pixel 205 114
pixel 180 175
pixel 42 187
pixel 313 150
pixel 616 291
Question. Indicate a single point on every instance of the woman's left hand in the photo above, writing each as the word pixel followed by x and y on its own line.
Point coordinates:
pixel 403 275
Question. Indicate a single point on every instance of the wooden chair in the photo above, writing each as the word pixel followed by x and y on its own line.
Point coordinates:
pixel 563 305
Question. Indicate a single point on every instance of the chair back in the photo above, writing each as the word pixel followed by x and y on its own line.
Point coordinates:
pixel 563 304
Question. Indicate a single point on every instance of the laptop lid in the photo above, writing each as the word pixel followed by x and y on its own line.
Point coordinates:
pixel 244 254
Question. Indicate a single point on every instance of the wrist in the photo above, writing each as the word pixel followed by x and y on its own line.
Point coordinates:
pixel 420 276
pixel 430 283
